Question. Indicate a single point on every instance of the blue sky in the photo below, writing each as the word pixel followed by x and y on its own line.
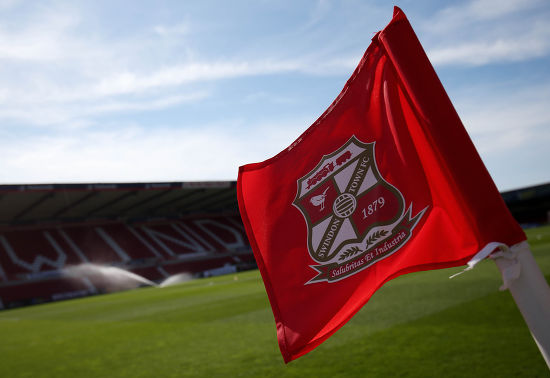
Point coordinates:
pixel 137 91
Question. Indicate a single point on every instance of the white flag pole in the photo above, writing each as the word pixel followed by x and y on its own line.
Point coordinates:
pixel 523 277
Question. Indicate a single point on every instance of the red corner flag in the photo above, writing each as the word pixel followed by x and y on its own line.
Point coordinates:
pixel 385 182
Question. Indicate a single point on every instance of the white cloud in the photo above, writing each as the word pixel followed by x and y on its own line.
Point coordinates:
pixel 68 72
pixel 45 36
pixel 151 104
pixel 77 114
pixel 509 48
pixel 491 9
pixel 489 31
pixel 7 4
pixel 177 30
pixel 320 10
pixel 56 73
pixel 471 12
pixel 128 82
pixel 45 102
pixel 510 121
pixel 266 97
pixel 133 153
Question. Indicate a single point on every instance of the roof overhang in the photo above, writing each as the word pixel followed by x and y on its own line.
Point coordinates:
pixel 47 203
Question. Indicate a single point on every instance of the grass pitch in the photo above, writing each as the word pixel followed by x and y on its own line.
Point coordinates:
pixel 418 325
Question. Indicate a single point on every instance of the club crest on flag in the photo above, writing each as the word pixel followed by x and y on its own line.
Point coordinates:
pixel 354 217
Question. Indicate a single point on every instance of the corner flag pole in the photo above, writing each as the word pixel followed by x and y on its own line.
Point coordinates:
pixel 523 277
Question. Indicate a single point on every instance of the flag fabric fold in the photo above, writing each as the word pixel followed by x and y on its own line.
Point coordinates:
pixel 385 182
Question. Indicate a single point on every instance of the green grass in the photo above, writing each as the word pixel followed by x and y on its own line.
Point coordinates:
pixel 418 325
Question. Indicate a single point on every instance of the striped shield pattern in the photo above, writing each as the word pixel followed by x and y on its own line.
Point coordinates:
pixel 347 204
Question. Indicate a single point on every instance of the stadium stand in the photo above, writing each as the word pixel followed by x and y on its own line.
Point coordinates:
pixel 530 206
pixel 153 230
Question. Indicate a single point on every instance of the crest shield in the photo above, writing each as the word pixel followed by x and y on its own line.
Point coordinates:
pixel 349 209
